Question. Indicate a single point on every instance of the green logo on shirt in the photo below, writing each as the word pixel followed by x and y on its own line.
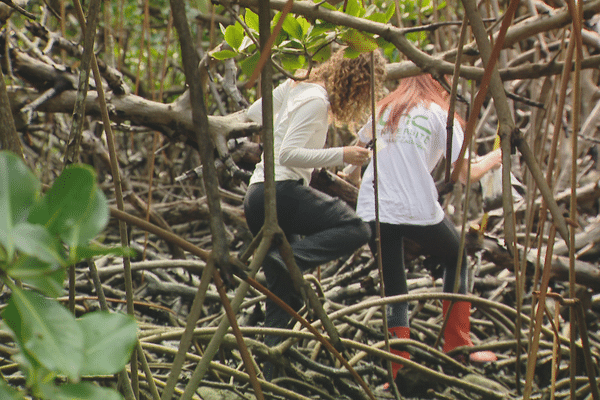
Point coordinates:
pixel 413 131
pixel 415 123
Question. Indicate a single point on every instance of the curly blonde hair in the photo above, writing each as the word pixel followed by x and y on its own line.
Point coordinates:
pixel 348 83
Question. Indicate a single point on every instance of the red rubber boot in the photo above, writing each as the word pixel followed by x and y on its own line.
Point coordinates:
pixel 399 332
pixel 458 328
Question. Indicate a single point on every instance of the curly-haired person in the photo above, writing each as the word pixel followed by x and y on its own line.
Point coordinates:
pixel 319 228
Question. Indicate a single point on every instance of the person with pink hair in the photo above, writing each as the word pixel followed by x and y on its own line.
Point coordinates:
pixel 411 140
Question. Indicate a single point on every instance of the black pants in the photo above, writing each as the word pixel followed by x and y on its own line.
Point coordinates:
pixel 441 241
pixel 319 228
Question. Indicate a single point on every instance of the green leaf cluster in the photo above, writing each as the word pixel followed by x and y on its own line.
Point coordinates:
pixel 410 10
pixel 41 236
pixel 301 41
pixel 412 13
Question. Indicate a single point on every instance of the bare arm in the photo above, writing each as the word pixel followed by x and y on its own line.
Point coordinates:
pixel 492 160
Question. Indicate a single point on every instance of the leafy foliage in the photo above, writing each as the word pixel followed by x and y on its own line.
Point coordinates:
pixel 299 41
pixel 42 235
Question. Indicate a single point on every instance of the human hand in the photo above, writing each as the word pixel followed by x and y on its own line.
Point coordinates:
pixel 356 155
pixel 494 159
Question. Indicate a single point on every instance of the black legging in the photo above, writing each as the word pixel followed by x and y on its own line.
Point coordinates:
pixel 320 228
pixel 441 241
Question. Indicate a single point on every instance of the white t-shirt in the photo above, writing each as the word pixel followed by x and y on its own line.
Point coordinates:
pixel 299 132
pixel 405 159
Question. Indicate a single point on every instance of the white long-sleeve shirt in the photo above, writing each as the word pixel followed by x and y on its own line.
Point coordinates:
pixel 405 159
pixel 299 132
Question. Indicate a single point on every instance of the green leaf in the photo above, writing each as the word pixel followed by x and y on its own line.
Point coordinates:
pixel 377 17
pixel 326 5
pixel 323 54
pixel 251 20
pixel 95 250
pixel 390 51
pixel 45 277
pixel 354 8
pixel 46 332
pixel 418 37
pixel 19 191
pixel 391 10
pixel 26 266
pixel 359 41
pixel 36 241
pixel 74 208
pixel 281 37
pixel 319 44
pixel 79 391
pixel 223 54
pixel 249 64
pixel 319 29
pixel 234 34
pixel 426 7
pixel 109 341
pixel 304 24
pixel 290 45
pixel 50 284
pixel 8 393
pixel 373 14
pixel 292 27
pixel 351 53
pixel 292 62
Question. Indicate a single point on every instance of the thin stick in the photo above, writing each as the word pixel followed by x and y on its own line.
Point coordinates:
pixel 131 386
pixel 266 50
pixel 533 349
pixel 378 232
pixel 186 338
pixel 576 16
pixel 451 108
pixel 238 336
